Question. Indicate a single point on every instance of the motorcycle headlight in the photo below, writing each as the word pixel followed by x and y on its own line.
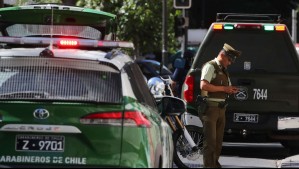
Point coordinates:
pixel 156 86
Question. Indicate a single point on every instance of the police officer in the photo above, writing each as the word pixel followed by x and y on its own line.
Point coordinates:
pixel 216 86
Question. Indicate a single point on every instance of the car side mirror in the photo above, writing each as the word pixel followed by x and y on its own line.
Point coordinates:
pixel 179 63
pixel 172 106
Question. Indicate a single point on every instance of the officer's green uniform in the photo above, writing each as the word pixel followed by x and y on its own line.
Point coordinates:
pixel 214 117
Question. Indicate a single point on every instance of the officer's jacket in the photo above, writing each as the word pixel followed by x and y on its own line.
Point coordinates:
pixel 221 79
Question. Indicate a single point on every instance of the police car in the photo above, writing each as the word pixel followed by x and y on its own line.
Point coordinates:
pixel 70 96
pixel 266 107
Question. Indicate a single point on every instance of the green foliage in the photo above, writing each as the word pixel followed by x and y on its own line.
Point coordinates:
pixel 139 21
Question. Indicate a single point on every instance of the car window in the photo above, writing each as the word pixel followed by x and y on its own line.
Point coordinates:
pixel 40 20
pixel 21 30
pixel 144 69
pixel 156 68
pixel 258 49
pixel 139 85
pixel 58 83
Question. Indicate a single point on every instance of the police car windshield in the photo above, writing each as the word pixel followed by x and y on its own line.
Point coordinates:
pixel 51 81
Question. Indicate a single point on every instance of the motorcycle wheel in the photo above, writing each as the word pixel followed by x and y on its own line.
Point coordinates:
pixel 183 155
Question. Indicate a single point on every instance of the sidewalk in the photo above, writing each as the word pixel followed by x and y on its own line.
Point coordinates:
pixel 290 162
pixel 240 162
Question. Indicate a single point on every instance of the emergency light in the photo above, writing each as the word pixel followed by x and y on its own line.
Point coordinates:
pixel 265 27
pixel 65 42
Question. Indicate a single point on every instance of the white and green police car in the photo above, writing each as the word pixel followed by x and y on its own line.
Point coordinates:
pixel 69 97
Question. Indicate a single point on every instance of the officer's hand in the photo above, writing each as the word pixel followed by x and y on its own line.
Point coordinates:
pixel 231 89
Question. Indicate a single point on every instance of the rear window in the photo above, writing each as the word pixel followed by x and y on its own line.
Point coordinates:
pixel 47 80
pixel 155 66
pixel 262 51
pixel 25 30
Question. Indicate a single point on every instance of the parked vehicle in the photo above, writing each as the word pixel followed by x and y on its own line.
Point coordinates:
pixel 190 50
pixel 187 139
pixel 71 97
pixel 267 74
pixel 297 47
pixel 151 68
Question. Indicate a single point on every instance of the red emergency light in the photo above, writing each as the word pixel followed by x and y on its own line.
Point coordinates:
pixel 68 43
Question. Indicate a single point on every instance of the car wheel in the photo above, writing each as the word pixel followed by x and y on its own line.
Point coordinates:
pixel 183 155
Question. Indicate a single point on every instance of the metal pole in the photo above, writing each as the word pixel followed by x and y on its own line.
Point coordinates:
pixel 1 3
pixel 164 34
pixel 184 43
pixel 294 25
pixel 186 30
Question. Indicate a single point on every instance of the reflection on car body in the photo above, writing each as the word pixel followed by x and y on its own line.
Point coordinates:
pixel 297 47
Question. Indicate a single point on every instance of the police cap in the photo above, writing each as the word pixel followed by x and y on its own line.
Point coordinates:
pixel 231 52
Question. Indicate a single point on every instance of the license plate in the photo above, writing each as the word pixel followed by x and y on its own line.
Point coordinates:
pixel 40 143
pixel 249 118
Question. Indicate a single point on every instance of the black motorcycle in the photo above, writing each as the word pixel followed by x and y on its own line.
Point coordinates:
pixel 187 139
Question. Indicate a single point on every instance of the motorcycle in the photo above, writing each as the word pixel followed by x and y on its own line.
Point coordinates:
pixel 187 135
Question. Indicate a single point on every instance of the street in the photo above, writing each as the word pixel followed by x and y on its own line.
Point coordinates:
pixel 253 155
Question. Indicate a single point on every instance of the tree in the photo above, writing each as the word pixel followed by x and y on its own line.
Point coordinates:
pixel 139 21
pixel 69 2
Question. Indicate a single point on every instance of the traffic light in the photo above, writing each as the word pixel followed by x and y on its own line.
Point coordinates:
pixel 182 4
pixel 180 24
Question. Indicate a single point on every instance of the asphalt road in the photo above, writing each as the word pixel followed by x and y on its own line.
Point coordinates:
pixel 250 155
pixel 255 150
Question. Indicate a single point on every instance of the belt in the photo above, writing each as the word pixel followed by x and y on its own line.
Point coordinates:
pixel 221 104
pixel 215 100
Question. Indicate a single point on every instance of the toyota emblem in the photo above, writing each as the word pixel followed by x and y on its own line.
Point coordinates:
pixel 41 114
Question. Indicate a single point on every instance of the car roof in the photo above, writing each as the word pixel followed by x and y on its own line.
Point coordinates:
pixel 248 18
pixel 55 20
pixel 151 61
pixel 148 61
pixel 62 15
pixel 119 59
